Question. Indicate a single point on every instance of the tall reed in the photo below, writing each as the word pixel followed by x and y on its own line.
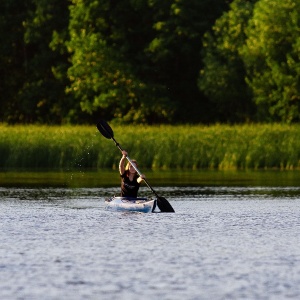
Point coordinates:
pixel 163 147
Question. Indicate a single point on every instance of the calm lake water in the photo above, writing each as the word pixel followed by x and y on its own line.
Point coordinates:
pixel 223 242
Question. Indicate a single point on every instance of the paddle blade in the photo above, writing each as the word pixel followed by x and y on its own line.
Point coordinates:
pixel 164 205
pixel 105 129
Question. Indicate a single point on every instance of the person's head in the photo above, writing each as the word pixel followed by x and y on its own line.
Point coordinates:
pixel 130 168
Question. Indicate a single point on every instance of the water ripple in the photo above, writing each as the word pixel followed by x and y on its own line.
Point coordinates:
pixel 229 244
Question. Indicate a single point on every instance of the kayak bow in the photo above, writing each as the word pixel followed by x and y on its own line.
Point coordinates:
pixel 144 205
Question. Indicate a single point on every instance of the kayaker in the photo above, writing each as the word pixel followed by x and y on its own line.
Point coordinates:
pixel 130 182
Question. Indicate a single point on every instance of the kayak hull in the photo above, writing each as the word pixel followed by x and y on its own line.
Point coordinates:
pixel 144 205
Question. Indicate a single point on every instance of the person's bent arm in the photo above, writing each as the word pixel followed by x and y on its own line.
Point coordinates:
pixel 141 178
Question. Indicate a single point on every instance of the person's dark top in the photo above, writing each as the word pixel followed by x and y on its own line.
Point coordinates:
pixel 129 188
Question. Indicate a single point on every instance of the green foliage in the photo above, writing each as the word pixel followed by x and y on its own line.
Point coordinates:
pixel 271 53
pixel 31 92
pixel 222 78
pixel 12 54
pixel 42 147
pixel 139 69
pixel 253 54
pixel 155 147
pixel 174 51
pixel 107 59
pixel 138 61
pixel 106 84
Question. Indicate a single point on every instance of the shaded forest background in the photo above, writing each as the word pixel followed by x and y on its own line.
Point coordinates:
pixel 149 61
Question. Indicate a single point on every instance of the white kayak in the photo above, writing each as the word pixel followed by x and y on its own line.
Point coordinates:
pixel 144 205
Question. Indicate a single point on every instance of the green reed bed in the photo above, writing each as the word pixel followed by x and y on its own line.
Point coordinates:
pixel 157 147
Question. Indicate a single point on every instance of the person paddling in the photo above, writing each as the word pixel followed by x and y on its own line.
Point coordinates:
pixel 130 182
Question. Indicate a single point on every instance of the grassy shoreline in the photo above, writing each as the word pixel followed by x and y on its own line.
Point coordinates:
pixel 220 147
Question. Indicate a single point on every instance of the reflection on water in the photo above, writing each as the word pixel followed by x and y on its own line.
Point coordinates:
pixel 226 242
pixel 197 193
pixel 232 193
pixel 110 178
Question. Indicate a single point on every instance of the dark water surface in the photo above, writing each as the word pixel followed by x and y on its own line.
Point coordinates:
pixel 223 242
pixel 109 178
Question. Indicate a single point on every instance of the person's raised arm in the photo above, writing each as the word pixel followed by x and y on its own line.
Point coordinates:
pixel 122 163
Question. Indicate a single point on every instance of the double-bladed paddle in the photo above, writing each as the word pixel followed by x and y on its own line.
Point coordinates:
pixel 162 203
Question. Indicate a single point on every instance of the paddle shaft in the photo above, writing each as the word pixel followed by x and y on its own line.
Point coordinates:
pixel 134 166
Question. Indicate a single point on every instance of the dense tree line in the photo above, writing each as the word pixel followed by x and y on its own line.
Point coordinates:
pixel 252 62
pixel 149 61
